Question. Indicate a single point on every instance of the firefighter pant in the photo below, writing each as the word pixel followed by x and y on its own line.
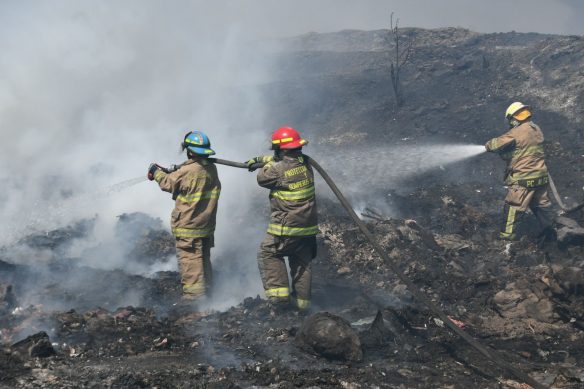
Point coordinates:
pixel 300 252
pixel 194 264
pixel 518 200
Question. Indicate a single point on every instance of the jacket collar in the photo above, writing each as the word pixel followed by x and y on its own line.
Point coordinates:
pixel 200 161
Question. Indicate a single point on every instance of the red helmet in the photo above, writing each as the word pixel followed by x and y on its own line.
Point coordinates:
pixel 287 138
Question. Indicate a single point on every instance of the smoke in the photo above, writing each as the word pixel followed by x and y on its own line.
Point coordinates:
pixel 92 92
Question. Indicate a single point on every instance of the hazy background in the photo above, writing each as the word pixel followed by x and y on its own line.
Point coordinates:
pixel 296 17
pixel 91 92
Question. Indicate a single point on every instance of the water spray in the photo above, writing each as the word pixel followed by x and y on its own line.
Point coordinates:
pixel 76 201
pixel 120 186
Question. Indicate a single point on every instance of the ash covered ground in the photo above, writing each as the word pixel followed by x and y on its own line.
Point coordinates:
pixel 439 226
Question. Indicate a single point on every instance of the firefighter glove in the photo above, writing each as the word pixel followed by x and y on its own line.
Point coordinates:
pixel 151 170
pixel 255 162
pixel 167 170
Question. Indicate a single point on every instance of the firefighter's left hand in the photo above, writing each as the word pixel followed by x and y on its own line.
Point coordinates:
pixel 258 160
pixel 250 163
pixel 151 170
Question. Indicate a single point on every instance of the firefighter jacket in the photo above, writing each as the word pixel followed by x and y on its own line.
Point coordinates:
pixel 522 149
pixel 195 187
pixel 292 196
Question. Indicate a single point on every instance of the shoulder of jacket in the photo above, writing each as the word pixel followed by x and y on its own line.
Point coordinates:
pixel 273 166
pixel 526 125
pixel 515 130
pixel 533 125
pixel 188 166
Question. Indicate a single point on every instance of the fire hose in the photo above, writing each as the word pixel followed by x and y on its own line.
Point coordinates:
pixel 565 209
pixel 420 296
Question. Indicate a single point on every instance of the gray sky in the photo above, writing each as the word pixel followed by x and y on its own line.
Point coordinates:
pixel 546 16
pixel 277 17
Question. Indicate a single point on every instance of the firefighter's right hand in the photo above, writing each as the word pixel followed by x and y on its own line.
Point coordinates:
pixel 151 170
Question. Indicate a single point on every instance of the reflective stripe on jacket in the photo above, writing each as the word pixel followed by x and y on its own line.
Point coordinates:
pixel 292 196
pixel 195 187
pixel 522 148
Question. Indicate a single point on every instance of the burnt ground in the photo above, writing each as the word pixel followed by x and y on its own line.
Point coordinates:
pixel 525 300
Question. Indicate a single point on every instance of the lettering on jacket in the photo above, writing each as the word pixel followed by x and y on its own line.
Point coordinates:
pixel 295 171
pixel 300 184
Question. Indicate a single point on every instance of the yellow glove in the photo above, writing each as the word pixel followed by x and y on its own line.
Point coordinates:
pixel 255 160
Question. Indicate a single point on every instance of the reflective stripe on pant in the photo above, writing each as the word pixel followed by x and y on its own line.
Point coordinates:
pixel 300 251
pixel 194 263
pixel 511 215
pixel 518 200
pixel 278 293
pixel 300 303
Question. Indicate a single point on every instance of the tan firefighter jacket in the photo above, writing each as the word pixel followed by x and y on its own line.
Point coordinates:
pixel 195 187
pixel 292 196
pixel 522 149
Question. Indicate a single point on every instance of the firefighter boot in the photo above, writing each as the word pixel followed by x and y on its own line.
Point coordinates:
pixel 545 218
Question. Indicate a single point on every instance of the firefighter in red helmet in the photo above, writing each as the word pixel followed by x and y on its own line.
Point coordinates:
pixel 293 221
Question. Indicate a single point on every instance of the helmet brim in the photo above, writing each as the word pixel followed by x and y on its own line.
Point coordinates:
pixel 200 151
pixel 523 107
pixel 294 145
pixel 523 114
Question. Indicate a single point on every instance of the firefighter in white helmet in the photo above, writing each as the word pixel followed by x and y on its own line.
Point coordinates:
pixel 526 175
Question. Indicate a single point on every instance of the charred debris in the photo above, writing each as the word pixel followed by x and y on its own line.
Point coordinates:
pixel 525 302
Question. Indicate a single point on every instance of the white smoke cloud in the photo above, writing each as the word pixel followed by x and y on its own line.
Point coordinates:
pixel 94 92
pixel 102 88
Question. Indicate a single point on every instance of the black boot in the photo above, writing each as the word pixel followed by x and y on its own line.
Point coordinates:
pixel 545 218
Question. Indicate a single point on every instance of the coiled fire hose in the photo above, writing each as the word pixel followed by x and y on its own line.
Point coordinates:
pixel 420 296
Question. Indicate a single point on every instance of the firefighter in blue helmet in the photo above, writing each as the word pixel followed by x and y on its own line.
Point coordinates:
pixel 195 187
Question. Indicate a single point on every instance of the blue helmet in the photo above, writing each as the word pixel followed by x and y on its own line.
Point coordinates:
pixel 197 143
